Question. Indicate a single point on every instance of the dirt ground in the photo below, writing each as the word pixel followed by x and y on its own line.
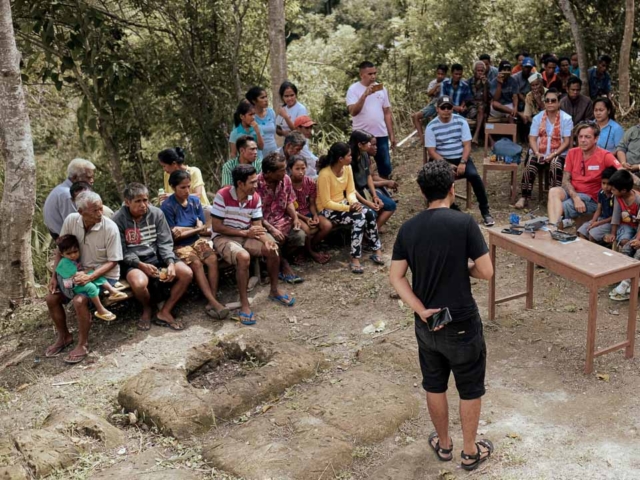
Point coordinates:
pixel 547 419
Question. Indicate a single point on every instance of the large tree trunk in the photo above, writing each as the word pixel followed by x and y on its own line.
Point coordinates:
pixel 625 54
pixel 19 194
pixel 565 6
pixel 111 149
pixel 277 48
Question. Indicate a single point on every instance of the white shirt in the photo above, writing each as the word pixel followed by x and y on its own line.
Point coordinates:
pixel 371 117
pixel 294 112
pixel 566 126
pixel 311 161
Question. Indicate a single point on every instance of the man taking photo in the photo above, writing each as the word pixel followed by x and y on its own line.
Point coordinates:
pixel 437 245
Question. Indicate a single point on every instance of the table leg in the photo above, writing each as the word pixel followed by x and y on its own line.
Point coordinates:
pixel 529 301
pixel 514 185
pixel 591 329
pixel 631 325
pixel 492 283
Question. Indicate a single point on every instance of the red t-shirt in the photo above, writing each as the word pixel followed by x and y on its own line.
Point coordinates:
pixel 586 176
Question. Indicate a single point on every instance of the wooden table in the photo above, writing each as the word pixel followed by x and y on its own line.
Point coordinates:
pixel 584 262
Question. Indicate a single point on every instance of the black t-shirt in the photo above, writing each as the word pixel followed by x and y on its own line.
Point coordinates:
pixel 437 245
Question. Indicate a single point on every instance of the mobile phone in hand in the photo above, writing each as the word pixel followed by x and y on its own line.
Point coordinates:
pixel 443 317
pixel 376 87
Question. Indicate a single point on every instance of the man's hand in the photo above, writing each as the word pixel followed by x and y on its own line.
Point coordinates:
pixel 53 283
pixel 272 246
pixel 368 91
pixel 278 235
pixel 514 112
pixel 579 205
pixel 81 278
pixel 149 270
pixel 355 207
pixel 500 78
pixel 424 314
pixel 635 243
pixel 171 272
pixel 255 231
pixel 609 238
pixel 460 169
pixel 393 185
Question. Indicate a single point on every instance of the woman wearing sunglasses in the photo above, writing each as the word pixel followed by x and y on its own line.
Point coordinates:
pixel 549 140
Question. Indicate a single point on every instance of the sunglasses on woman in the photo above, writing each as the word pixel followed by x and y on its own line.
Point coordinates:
pixel 550 100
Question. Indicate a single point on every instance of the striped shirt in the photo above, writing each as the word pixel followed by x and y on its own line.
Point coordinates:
pixel 229 165
pixel 234 214
pixel 447 138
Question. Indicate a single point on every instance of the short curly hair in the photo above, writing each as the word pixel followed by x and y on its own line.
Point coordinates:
pixel 435 179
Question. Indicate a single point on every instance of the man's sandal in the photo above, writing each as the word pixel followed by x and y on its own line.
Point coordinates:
pixel 443 454
pixel 478 458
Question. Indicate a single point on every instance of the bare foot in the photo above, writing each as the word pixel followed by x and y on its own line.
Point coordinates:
pixel 167 320
pixel 320 258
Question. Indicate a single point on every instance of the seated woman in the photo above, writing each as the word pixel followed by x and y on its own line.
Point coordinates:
pixel 172 159
pixel 610 131
pixel 245 123
pixel 315 226
pixel 361 164
pixel 185 217
pixel 549 141
pixel 338 203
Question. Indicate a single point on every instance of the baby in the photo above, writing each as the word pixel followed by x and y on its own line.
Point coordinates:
pixel 67 269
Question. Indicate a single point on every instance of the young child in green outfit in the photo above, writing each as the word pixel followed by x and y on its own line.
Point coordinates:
pixel 69 266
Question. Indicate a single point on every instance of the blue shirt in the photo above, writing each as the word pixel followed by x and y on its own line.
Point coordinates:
pixel 606 202
pixel 610 136
pixel 267 126
pixel 574 71
pixel 458 95
pixel 179 216
pixel 239 131
pixel 492 74
pixel 509 89
pixel 598 86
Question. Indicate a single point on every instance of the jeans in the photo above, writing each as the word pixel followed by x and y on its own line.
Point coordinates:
pixel 471 174
pixel 388 204
pixel 383 159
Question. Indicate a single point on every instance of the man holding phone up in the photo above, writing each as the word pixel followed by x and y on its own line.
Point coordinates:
pixel 437 245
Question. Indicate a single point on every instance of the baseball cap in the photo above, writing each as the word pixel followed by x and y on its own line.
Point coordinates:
pixel 504 65
pixel 528 62
pixel 444 100
pixel 303 121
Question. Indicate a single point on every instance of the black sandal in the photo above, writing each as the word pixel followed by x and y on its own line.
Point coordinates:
pixel 440 452
pixel 477 458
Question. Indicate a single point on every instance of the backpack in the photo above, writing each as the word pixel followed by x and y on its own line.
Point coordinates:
pixel 509 150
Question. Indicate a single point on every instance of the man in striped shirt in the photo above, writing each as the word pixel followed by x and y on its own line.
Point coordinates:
pixel 238 234
pixel 448 137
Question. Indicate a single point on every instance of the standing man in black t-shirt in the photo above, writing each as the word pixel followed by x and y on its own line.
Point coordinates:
pixel 437 246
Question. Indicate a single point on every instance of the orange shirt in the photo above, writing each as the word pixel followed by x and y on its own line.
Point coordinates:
pixel 586 176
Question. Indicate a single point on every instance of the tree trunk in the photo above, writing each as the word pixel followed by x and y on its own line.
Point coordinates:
pixel 567 10
pixel 625 54
pixel 111 149
pixel 19 194
pixel 277 48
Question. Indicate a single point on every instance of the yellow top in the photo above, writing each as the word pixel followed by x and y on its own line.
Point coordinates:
pixel 331 190
pixel 196 181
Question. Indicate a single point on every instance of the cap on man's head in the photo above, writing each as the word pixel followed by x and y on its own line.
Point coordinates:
pixel 444 100
pixel 528 62
pixel 505 65
pixel 303 121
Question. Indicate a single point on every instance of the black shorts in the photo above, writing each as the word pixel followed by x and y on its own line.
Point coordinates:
pixel 459 348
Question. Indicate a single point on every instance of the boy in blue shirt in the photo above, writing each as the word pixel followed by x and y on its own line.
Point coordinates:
pixel 600 225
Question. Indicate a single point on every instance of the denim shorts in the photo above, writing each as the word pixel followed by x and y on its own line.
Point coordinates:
pixel 570 211
pixel 388 205
pixel 459 348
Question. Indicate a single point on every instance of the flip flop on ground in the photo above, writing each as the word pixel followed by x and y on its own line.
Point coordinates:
pixel 177 326
pixel 72 359
pixel 286 299
pixel 291 278
pixel 377 259
pixel 246 318
pixel 443 454
pixel 52 351
pixel 217 314
pixel 485 449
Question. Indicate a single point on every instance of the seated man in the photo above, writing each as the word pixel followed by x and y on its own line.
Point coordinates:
pixel 58 204
pixel 479 87
pixel 504 94
pixel 100 252
pixel 522 79
pixel 78 187
pixel 549 140
pixel 280 218
pixel 304 125
pixel 433 92
pixel 492 72
pixel 457 89
pixel 575 104
pixel 564 73
pixel 599 78
pixel 148 248
pixel 448 138
pixel 294 142
pixel 534 100
pixel 582 178
pixel 238 233
pixel 247 155
pixel 628 150
pixel 549 77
